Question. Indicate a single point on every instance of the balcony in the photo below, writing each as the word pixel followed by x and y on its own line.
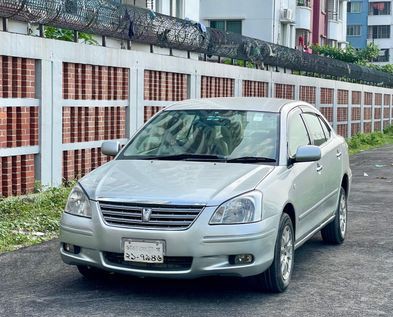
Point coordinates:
pixel 303 16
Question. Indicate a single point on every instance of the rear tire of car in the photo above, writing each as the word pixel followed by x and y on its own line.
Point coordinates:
pixel 277 277
pixel 334 232
pixel 92 273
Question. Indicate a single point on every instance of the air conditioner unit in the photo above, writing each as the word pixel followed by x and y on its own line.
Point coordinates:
pixel 287 14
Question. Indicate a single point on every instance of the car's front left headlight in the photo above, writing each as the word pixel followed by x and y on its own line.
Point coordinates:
pixel 246 208
pixel 78 203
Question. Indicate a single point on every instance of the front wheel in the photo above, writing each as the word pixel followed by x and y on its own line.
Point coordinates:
pixel 334 232
pixel 277 277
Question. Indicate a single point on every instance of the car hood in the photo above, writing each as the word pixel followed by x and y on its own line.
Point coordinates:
pixel 172 182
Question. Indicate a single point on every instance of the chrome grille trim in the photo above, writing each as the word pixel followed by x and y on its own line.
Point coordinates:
pixel 163 217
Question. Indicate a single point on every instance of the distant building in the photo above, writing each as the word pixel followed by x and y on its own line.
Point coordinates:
pixel 380 20
pixel 268 20
pixel 357 20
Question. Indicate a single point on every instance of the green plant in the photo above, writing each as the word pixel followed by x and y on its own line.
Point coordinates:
pixel 30 219
pixel 51 32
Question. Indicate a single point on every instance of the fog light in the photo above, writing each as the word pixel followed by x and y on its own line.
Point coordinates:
pixel 241 259
pixel 70 248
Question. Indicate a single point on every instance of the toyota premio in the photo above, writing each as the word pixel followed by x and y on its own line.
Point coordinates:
pixel 224 186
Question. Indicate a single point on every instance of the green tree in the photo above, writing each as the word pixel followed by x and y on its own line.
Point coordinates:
pixel 51 32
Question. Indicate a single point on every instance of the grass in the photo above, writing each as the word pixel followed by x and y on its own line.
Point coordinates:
pixel 361 142
pixel 31 219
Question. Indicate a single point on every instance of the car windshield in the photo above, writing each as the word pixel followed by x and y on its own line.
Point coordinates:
pixel 212 135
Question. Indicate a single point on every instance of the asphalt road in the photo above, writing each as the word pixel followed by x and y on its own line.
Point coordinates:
pixel 354 279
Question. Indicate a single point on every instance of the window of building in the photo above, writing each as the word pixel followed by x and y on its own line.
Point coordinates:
pixel 354 7
pixel 379 32
pixel 234 26
pixel 379 8
pixel 383 55
pixel 353 30
pixel 304 3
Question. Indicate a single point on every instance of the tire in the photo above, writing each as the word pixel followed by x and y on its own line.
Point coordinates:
pixel 92 273
pixel 334 232
pixel 277 277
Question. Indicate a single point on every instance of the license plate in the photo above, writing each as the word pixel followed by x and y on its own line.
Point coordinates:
pixel 144 251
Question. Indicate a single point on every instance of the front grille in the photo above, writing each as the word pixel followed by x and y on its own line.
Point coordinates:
pixel 167 217
pixel 171 263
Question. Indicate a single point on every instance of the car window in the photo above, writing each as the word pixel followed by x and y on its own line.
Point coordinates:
pixel 297 134
pixel 228 134
pixel 314 128
pixel 325 128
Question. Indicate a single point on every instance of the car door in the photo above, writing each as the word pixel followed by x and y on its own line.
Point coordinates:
pixel 307 187
pixel 328 165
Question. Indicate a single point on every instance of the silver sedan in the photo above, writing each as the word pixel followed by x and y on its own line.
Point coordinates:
pixel 225 186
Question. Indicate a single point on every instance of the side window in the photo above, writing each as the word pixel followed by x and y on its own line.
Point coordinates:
pixel 297 134
pixel 325 128
pixel 315 128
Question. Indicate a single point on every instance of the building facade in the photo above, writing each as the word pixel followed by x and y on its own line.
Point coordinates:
pixel 272 21
pixel 380 21
pixel 357 20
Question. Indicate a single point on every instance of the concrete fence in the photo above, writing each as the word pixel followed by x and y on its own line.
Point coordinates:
pixel 59 101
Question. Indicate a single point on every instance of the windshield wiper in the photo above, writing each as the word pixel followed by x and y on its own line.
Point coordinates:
pixel 251 159
pixel 183 157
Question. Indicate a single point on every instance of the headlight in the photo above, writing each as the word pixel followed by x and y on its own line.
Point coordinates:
pixel 78 203
pixel 246 208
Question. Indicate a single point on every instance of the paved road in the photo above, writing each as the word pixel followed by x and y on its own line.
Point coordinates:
pixel 354 279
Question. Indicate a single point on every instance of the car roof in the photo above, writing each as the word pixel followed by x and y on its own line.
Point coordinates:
pixel 233 103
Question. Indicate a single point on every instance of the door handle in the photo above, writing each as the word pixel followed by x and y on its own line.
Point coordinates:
pixel 338 154
pixel 319 167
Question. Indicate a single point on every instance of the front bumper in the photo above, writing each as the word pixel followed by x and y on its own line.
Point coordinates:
pixel 208 246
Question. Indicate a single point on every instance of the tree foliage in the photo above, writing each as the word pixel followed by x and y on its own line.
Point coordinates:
pixel 68 35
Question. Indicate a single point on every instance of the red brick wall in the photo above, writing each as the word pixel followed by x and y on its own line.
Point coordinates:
pixel 356 113
pixel 308 94
pixel 327 96
pixel 217 87
pixel 368 98
pixel 150 111
pixel 355 128
pixel 84 124
pixel 367 113
pixel 342 129
pixel 285 91
pixel 255 88
pixel 18 125
pixel 77 163
pixel 165 86
pixel 342 97
pixel 92 123
pixel 356 97
pixel 16 175
pixel 342 114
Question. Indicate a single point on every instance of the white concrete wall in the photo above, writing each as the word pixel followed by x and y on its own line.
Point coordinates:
pixel 50 55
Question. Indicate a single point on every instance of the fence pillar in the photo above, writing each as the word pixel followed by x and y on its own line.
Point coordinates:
pixel 335 92
pixel 349 114
pixel 362 110
pixel 131 119
pixel 57 122
pixel 372 113
pixel 44 94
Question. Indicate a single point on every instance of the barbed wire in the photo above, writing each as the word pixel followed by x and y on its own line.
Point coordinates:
pixel 126 22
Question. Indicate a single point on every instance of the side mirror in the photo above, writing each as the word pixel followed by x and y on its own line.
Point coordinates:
pixel 110 148
pixel 308 153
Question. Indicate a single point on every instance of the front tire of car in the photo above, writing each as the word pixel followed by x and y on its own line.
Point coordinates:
pixel 277 277
pixel 334 232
